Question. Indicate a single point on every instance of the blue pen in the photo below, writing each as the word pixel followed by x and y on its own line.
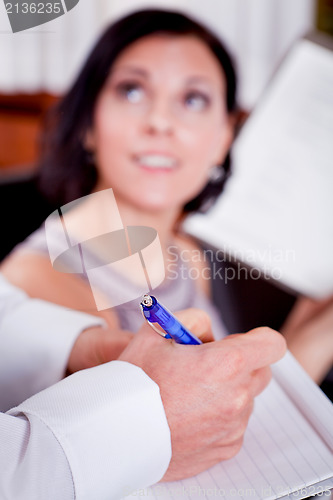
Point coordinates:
pixel 154 312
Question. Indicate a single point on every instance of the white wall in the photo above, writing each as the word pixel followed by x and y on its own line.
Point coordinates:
pixel 258 32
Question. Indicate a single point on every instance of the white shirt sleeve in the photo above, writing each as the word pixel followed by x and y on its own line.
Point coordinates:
pixel 96 435
pixel 36 339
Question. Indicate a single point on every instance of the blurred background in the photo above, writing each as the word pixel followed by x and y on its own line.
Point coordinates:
pixel 38 65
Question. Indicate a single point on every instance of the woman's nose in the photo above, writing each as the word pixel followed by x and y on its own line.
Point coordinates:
pixel 159 118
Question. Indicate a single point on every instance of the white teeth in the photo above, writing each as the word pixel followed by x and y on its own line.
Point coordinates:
pixel 157 161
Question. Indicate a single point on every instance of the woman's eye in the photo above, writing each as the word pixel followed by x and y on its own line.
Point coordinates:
pixel 196 101
pixel 133 92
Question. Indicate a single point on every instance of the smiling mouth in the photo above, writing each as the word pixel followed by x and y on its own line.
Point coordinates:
pixel 156 162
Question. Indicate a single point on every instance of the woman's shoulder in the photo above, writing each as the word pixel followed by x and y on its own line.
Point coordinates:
pixel 35 275
pixel 28 265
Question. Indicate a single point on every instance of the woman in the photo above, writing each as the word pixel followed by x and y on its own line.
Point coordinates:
pixel 151 115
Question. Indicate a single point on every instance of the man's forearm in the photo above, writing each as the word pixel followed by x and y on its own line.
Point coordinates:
pixel 36 339
pixel 101 432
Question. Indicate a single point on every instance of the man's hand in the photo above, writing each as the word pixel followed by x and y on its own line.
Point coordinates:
pixel 95 346
pixel 207 390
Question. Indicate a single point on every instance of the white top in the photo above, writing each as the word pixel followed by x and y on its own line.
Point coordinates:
pixel 97 434
pixel 36 339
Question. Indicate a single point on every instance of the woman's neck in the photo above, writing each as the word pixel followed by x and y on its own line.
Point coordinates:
pixel 165 222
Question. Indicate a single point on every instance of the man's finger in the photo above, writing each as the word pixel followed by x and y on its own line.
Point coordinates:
pixel 259 347
pixel 260 380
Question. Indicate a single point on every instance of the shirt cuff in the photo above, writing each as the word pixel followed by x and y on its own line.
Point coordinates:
pixel 37 338
pixel 111 425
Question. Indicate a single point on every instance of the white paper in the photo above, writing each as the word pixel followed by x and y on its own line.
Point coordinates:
pixel 276 213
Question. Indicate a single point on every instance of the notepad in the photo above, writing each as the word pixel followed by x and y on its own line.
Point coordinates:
pixel 276 213
pixel 287 450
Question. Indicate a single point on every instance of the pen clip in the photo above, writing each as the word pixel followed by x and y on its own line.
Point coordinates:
pixel 160 332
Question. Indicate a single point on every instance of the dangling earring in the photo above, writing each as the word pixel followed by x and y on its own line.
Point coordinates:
pixel 216 174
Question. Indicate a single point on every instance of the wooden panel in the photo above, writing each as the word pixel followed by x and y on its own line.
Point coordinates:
pixel 18 139
pixel 325 16
pixel 32 103
pixel 21 118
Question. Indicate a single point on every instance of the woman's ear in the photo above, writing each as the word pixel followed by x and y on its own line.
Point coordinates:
pixel 226 139
pixel 89 142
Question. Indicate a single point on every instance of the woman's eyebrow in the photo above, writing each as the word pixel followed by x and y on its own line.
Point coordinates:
pixel 138 71
pixel 131 69
pixel 199 79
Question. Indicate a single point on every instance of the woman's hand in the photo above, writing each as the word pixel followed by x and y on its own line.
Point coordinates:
pixel 309 335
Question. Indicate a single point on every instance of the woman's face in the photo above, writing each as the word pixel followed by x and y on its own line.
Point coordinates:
pixel 160 122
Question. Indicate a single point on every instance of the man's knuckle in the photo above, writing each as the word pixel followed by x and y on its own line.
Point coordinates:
pixel 236 447
pixel 238 431
pixel 266 376
pixel 240 403
pixel 231 450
